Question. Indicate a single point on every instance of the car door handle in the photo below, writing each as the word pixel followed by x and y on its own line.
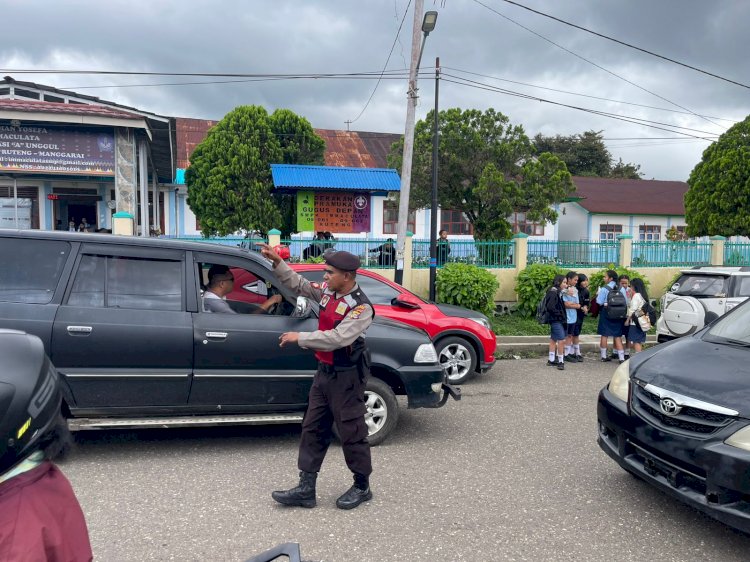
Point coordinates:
pixel 216 335
pixel 79 330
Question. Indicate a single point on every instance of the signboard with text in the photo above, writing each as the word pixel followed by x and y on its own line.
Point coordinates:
pixel 57 150
pixel 343 211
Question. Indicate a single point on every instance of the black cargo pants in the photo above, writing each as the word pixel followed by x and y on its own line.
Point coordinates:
pixel 337 396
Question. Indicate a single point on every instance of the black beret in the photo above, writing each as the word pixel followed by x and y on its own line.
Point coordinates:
pixel 342 260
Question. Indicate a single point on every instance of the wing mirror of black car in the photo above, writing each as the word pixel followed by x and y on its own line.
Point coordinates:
pixel 405 300
pixel 303 308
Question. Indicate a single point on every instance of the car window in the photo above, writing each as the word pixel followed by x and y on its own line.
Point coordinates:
pixel 700 285
pixel 125 282
pixel 743 286
pixel 26 279
pixel 377 291
pixel 248 293
pixel 732 328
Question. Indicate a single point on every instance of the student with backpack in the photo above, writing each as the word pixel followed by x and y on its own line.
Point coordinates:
pixel 572 306
pixel 555 316
pixel 613 311
pixel 638 308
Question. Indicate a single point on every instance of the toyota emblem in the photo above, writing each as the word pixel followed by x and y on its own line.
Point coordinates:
pixel 670 407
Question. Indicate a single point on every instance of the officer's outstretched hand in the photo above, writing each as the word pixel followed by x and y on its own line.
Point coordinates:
pixel 288 337
pixel 268 252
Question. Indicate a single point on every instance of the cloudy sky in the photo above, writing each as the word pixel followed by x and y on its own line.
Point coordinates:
pixel 493 43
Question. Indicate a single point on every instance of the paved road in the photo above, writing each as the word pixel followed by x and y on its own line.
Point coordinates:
pixel 512 472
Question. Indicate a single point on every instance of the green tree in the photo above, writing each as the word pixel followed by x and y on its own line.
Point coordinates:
pixel 626 171
pixel 487 170
pixel 586 155
pixel 718 198
pixel 229 178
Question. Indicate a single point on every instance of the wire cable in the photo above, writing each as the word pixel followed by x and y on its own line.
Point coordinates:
pixel 608 38
pixel 387 60
pixel 592 62
pixel 583 95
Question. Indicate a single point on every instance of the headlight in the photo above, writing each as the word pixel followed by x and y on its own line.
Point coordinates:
pixel 483 321
pixel 426 354
pixel 740 439
pixel 620 382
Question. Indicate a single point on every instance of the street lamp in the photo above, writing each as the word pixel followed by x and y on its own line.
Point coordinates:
pixel 428 25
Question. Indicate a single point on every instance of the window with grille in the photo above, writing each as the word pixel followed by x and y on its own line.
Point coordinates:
pixel 455 222
pixel 520 223
pixel 609 231
pixel 649 232
pixel 390 218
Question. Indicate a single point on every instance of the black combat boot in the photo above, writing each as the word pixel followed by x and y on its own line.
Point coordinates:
pixel 303 495
pixel 357 494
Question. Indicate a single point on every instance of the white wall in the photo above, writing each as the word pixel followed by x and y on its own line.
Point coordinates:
pixel 573 224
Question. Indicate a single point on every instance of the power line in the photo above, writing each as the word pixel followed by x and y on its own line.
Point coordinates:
pixel 608 38
pixel 635 120
pixel 591 62
pixel 583 95
pixel 406 11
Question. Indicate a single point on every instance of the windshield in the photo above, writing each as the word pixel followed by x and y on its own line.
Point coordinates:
pixel 700 285
pixel 733 328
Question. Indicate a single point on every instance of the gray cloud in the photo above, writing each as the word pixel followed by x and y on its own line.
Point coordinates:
pixel 283 36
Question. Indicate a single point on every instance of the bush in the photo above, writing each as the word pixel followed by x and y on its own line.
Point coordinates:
pixel 596 279
pixel 468 286
pixel 531 285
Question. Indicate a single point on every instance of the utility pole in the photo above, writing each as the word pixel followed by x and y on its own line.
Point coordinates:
pixel 411 107
pixel 434 203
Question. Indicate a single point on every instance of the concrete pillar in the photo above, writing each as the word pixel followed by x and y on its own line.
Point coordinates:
pixel 521 251
pixel 626 250
pixel 274 237
pixel 717 250
pixel 143 186
pixel 408 253
pixel 125 176
pixel 122 223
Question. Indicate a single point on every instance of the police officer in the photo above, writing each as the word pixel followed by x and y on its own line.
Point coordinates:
pixel 337 392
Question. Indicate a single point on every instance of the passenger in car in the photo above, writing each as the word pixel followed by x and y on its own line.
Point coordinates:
pixel 220 284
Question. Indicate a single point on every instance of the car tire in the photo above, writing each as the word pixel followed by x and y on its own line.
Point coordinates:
pixel 382 410
pixel 458 359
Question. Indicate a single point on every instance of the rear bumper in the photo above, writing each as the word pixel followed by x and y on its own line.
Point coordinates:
pixel 485 366
pixel 715 482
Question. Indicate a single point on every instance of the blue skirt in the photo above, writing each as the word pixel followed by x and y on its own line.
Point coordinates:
pixel 557 331
pixel 610 328
pixel 635 334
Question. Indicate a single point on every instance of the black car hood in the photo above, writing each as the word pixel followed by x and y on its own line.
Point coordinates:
pixel 715 373
pixel 450 310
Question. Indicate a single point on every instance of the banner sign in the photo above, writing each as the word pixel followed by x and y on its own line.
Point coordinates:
pixel 340 211
pixel 59 151
pixel 305 211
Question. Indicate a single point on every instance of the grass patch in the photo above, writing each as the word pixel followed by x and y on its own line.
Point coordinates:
pixel 516 325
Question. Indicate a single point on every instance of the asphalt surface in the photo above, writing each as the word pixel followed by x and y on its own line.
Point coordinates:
pixel 512 472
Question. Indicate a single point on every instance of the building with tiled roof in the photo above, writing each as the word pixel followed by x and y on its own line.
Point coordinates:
pixel 604 208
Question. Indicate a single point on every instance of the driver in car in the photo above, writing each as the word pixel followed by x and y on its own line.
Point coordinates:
pixel 220 284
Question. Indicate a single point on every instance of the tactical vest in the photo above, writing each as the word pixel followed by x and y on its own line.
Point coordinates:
pixel 332 312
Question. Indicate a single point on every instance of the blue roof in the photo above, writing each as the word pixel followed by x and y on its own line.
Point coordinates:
pixel 293 176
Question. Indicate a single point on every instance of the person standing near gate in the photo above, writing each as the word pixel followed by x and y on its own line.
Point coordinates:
pixel 338 389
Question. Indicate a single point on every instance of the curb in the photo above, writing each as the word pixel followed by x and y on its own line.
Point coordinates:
pixel 540 343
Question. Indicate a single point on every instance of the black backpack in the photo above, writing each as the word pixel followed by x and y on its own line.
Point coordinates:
pixel 542 316
pixel 651 311
pixel 617 306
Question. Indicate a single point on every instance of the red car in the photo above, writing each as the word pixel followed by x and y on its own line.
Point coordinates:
pixel 463 338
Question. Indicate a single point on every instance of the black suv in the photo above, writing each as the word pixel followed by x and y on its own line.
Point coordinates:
pixel 678 417
pixel 122 320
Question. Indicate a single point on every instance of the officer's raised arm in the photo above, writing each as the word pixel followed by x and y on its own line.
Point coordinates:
pixel 289 278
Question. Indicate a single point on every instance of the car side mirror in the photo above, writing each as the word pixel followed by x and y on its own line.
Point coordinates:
pixel 405 300
pixel 303 308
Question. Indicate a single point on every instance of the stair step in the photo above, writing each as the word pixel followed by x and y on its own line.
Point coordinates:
pixel 82 424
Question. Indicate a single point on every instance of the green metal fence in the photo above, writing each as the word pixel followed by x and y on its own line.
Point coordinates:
pixel 669 254
pixel 482 253
pixel 373 253
pixel 736 253
pixel 599 253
